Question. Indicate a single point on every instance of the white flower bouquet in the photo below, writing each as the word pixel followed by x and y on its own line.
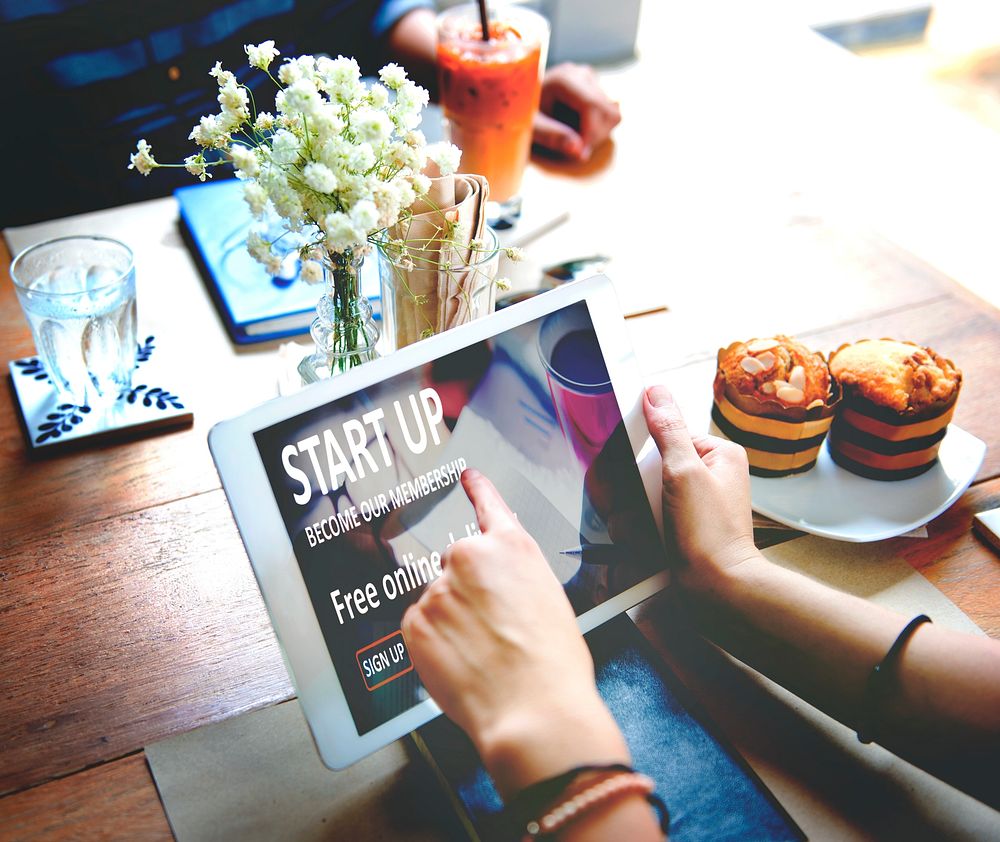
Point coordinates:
pixel 339 161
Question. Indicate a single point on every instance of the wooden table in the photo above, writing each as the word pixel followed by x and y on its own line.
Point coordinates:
pixel 128 611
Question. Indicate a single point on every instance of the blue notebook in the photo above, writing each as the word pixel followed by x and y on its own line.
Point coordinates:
pixel 711 792
pixel 254 305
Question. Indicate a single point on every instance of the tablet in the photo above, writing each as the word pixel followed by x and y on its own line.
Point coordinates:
pixel 347 493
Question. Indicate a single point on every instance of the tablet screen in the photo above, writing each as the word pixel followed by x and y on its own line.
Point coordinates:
pixel 368 489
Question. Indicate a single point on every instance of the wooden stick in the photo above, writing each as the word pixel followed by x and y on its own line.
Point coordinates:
pixel 639 314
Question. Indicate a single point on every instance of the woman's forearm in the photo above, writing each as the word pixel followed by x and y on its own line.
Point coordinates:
pixel 943 709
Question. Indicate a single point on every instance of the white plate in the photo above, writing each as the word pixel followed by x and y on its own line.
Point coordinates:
pixel 834 503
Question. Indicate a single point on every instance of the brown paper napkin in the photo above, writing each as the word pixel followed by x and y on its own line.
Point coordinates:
pixel 434 295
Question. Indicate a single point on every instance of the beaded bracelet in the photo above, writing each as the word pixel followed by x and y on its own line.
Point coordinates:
pixel 617 786
pixel 526 811
pixel 878 686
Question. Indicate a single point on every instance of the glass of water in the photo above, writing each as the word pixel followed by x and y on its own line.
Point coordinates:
pixel 78 294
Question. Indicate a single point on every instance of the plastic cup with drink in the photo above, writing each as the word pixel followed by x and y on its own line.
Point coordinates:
pixel 490 91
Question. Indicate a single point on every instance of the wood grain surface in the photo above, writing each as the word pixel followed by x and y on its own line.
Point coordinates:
pixel 116 800
pixel 957 561
pixel 123 631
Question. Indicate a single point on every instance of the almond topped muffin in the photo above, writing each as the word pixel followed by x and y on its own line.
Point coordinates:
pixel 776 398
pixel 898 400
pixel 777 369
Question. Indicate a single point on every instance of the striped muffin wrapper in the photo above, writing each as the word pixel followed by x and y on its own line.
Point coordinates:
pixel 774 447
pixel 873 447
pixel 870 472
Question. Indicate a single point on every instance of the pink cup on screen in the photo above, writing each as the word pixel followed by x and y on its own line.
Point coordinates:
pixel 578 381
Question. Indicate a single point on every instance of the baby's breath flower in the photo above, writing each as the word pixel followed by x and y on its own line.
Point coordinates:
pixel 427 333
pixel 360 158
pixel 378 96
pixel 142 160
pixel 195 164
pixel 393 76
pixel 210 133
pixel 386 199
pixel 235 105
pixel 300 98
pixel 410 100
pixel 421 184
pixel 503 284
pixel 514 254
pixel 311 272
pixel 262 55
pixel 264 122
pixel 285 147
pixel 412 97
pixel 372 126
pixel 404 189
pixel 223 77
pixel 245 161
pixel 326 126
pixel 341 233
pixel 320 178
pixel 256 197
pixel 294 69
pixel 289 207
pixel 258 247
pixel 476 245
pixel 364 215
pixel 273 264
pixel 340 78
pixel 446 155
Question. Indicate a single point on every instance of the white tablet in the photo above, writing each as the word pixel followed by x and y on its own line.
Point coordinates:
pixel 347 493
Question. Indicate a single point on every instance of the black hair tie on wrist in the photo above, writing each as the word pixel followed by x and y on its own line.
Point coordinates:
pixel 879 682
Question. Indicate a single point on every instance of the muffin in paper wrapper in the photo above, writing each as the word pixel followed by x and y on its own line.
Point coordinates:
pixel 880 443
pixel 779 440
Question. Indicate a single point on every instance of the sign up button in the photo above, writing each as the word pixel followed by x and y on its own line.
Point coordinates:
pixel 384 660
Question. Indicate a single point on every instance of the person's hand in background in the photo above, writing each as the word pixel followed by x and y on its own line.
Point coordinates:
pixel 575 115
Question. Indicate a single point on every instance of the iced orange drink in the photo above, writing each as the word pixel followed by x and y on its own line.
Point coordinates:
pixel 490 91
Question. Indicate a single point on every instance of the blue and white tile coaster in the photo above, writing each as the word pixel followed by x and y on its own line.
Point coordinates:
pixel 48 423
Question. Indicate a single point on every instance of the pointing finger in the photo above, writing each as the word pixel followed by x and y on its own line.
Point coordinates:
pixel 491 510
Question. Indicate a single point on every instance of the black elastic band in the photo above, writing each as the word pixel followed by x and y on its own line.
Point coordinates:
pixel 879 686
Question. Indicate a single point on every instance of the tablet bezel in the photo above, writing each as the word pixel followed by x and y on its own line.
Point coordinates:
pixel 269 548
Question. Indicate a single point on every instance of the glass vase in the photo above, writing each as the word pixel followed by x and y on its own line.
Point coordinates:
pixel 344 330
pixel 422 297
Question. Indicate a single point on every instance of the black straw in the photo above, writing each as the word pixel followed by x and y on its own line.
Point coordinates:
pixel 484 17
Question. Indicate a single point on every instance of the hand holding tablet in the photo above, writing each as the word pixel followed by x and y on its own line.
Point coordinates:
pixel 347 496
